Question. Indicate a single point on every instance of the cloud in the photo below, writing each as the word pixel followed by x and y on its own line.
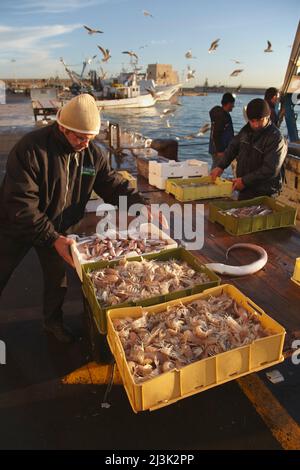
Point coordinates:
pixel 54 6
pixel 32 48
pixel 160 42
pixel 20 39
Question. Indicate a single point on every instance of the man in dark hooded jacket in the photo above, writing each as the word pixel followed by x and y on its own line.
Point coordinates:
pixel 50 175
pixel 272 98
pixel 221 132
pixel 260 151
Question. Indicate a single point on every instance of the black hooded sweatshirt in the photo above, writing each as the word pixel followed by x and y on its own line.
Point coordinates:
pixel 260 156
pixel 47 186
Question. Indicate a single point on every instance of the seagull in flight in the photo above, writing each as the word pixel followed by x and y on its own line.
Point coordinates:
pixel 91 30
pixel 189 55
pixel 269 48
pixel 147 13
pixel 205 128
pixel 167 111
pixel 213 46
pixel 190 74
pixel 153 93
pixel 131 53
pixel 236 61
pixel 105 52
pixel 90 59
pixel 236 72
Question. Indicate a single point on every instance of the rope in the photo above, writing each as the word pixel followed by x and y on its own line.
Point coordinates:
pixel 105 403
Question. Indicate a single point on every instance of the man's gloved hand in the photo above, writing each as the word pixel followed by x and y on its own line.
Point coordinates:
pixel 216 172
pixel 62 246
pixel 238 184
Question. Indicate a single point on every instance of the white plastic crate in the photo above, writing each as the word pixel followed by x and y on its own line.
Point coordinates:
pixel 160 172
pixel 172 169
pixel 147 230
pixel 157 181
pixel 195 167
pixel 168 169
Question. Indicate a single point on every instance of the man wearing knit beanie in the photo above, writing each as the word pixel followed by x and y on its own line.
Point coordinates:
pixel 258 109
pixel 260 151
pixel 51 173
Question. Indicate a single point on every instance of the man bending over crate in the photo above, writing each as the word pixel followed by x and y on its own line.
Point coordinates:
pixel 49 178
pixel 260 151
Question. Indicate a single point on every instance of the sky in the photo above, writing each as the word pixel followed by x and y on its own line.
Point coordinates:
pixel 34 34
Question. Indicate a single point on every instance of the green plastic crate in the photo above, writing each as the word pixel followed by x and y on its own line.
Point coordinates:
pixel 206 188
pixel 283 216
pixel 296 276
pixel 176 253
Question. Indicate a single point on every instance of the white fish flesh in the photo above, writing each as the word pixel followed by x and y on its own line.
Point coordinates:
pixel 241 270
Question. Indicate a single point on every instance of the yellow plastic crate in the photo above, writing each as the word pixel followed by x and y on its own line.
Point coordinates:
pixel 202 187
pixel 296 275
pixel 177 384
pixel 127 176
pixel 282 215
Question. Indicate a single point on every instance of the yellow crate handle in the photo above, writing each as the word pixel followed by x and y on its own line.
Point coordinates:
pixel 255 306
pixel 280 203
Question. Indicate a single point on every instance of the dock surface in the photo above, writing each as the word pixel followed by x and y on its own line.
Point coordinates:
pixel 51 394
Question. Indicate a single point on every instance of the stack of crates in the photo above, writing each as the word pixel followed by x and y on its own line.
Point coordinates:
pixel 181 254
pixel 143 161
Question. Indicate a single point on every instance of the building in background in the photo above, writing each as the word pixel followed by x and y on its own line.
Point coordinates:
pixel 162 74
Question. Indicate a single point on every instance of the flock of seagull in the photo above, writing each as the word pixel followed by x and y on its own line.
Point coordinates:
pixel 188 55
pixel 213 47
pixel 190 72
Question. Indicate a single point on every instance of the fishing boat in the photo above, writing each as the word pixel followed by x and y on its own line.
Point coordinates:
pixel 124 92
pixel 125 96
pixel 290 98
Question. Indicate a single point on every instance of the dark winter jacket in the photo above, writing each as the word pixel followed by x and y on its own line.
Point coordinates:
pixel 221 130
pixel 260 156
pixel 274 116
pixel 47 186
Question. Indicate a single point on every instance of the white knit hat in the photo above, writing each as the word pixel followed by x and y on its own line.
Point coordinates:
pixel 80 114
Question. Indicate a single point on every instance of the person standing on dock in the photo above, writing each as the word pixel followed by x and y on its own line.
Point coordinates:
pixel 49 178
pixel 272 98
pixel 221 128
pixel 260 151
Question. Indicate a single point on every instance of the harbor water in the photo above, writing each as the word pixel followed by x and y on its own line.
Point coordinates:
pixel 187 118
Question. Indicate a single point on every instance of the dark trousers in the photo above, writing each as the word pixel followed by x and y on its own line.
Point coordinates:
pixel 249 193
pixel 55 280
